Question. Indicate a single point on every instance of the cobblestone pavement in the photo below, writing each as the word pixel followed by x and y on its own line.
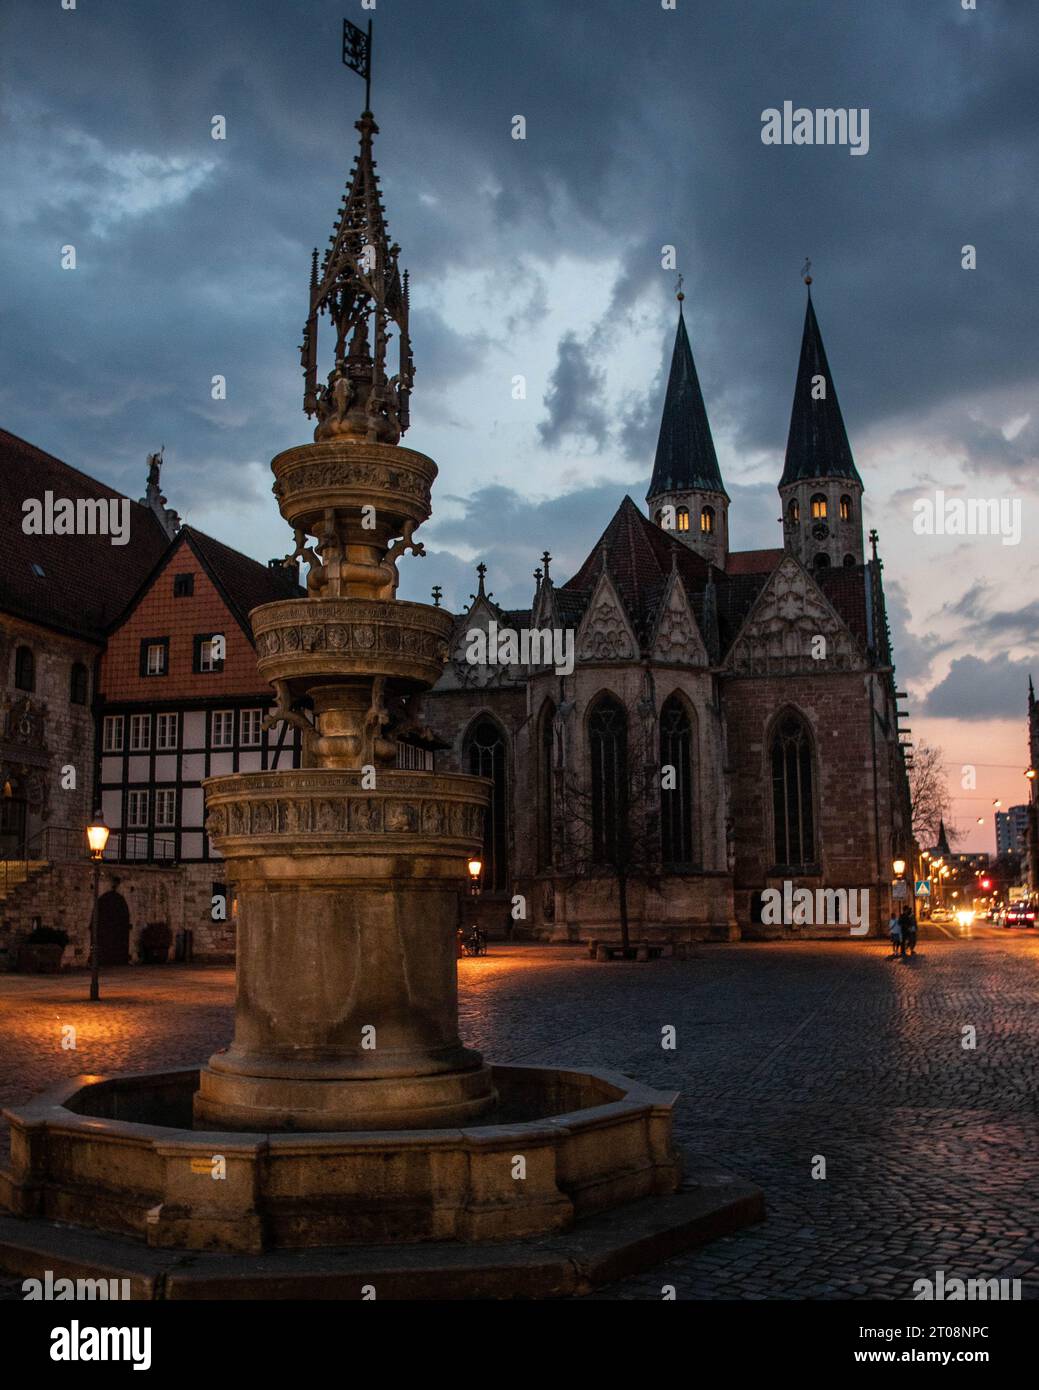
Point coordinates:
pixel 786 1052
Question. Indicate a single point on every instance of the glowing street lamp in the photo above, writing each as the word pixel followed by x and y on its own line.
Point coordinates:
pixel 899 867
pixel 475 870
pixel 97 839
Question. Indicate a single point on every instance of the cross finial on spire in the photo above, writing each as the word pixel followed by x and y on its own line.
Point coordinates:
pixel 481 570
pixel 806 274
pixel 537 577
pixel 438 594
pixel 679 293
pixel 873 539
pixel 546 560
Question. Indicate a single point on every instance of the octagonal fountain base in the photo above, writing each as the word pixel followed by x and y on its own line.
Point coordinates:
pixel 574 1161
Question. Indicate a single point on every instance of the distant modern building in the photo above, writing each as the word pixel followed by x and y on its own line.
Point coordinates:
pixel 1011 830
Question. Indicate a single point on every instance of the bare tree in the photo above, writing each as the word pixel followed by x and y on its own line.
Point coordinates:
pixel 611 827
pixel 929 791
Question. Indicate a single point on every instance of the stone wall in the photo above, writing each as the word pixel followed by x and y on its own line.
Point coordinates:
pixel 61 896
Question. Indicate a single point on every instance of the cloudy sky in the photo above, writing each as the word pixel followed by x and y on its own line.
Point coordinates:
pixel 542 258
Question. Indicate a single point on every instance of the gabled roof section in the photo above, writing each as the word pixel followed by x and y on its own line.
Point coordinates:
pixel 638 557
pixel 86 581
pixel 242 583
pixel 685 458
pixel 817 445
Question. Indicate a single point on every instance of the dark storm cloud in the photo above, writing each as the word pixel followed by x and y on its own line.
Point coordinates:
pixel 643 130
pixel 976 690
pixel 575 399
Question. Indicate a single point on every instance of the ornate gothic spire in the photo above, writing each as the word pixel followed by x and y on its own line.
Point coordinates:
pixel 817 446
pixel 359 285
pixel 685 459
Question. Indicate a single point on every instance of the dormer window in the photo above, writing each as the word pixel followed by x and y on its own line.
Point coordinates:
pixel 682 519
pixel 818 507
pixel 707 520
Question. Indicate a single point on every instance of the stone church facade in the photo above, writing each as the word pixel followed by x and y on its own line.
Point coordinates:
pixel 730 724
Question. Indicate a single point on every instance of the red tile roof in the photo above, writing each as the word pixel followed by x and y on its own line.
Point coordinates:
pixel 753 561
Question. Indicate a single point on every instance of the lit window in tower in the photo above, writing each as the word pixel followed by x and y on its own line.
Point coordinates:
pixel 845 508
pixel 707 520
pixel 795 511
pixel 818 507
pixel 682 518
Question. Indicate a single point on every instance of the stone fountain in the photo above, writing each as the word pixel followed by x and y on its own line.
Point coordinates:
pixel 346 1112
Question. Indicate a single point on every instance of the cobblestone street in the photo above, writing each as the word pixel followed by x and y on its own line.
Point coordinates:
pixel 785 1052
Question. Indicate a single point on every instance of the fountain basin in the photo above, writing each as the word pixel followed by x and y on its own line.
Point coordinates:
pixel 118 1154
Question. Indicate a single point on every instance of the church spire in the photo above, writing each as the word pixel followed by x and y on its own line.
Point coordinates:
pixel 685 458
pixel 817 445
pixel 359 286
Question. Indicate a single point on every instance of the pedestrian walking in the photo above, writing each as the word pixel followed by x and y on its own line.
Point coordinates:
pixel 907 922
pixel 894 930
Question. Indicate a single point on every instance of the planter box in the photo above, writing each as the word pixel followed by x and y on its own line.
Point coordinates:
pixel 40 960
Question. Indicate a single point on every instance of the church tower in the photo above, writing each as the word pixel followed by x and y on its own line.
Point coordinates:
pixel 820 487
pixel 686 494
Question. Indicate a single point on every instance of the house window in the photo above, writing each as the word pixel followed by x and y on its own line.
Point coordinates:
pixel 794 511
pixel 682 519
pixel 24 669
pixel 676 801
pixel 113 733
pixel 183 585
pixel 223 728
pixel 140 732
pixel 707 520
pixel 818 507
pixel 206 659
pixel 165 807
pixel 155 656
pixel 485 754
pixel 608 746
pixel 545 798
pixel 793 819
pixel 78 684
pixel 136 810
pixel 845 508
pixel 250 721
pixel 165 731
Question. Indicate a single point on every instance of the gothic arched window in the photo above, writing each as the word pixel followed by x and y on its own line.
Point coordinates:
pixel 707 520
pixel 818 507
pixel 845 508
pixel 545 804
pixel 24 669
pixel 849 560
pixel 608 747
pixel 795 510
pixel 792 815
pixel 676 802
pixel 78 684
pixel 485 754
pixel 682 519
pixel 821 561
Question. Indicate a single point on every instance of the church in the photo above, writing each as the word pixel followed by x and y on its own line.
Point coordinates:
pixel 729 723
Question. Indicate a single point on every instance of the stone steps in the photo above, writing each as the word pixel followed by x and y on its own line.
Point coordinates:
pixel 15 874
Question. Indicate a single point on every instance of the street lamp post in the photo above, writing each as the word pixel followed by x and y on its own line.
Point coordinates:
pixel 97 839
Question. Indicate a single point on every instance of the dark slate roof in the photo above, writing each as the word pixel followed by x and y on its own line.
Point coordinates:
pixel 685 449
pixel 639 557
pixel 817 446
pixel 87 581
pixel 845 587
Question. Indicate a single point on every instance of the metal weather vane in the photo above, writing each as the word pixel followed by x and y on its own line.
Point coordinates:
pixel 358 284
